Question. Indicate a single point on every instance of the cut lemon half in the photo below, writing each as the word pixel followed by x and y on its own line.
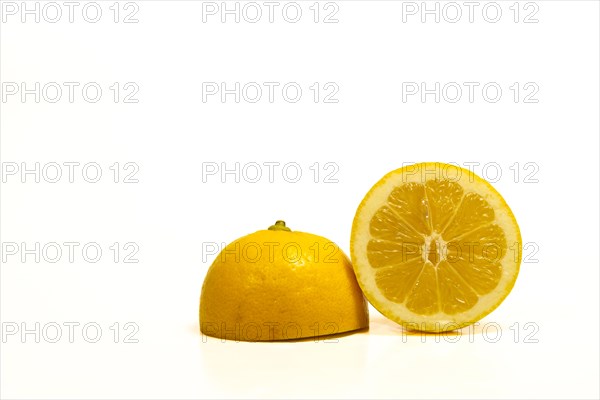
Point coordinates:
pixel 435 247
pixel 279 284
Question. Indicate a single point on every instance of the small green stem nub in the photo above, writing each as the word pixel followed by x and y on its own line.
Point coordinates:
pixel 279 226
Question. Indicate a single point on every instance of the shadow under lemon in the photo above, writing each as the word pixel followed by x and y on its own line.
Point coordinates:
pixel 262 369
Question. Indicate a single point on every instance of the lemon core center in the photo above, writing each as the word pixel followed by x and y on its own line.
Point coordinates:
pixel 434 249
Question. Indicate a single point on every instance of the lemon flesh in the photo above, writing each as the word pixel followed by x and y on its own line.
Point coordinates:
pixel 435 247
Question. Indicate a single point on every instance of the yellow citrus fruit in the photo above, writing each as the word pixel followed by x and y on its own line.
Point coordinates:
pixel 278 284
pixel 435 247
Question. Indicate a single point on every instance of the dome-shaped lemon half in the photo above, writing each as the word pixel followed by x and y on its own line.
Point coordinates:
pixel 278 284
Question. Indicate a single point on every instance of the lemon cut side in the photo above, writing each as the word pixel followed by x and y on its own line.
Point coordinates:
pixel 435 247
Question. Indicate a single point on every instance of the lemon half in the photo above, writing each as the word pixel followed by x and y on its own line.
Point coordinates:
pixel 278 284
pixel 435 247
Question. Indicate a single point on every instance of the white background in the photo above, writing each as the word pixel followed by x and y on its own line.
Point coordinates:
pixel 172 212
